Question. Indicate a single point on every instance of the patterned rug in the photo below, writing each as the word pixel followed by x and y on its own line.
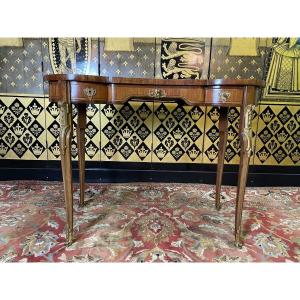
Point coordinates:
pixel 147 222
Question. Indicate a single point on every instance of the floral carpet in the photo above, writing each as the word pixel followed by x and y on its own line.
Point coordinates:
pixel 147 222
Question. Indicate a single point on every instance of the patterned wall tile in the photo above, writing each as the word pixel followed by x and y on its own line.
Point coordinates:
pixel 211 141
pixel 22 128
pixel 225 65
pixel 182 58
pixel 33 64
pixel 137 63
pixel 21 68
pixel 94 58
pixel 178 133
pixel 47 68
pixel 12 69
pixel 92 132
pixel 278 135
pixel 126 132
pixel 53 129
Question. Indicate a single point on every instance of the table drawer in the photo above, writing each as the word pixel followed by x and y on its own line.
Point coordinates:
pixel 88 92
pixel 219 96
pixel 191 95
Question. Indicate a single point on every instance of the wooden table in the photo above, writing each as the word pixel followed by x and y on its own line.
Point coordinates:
pixel 82 90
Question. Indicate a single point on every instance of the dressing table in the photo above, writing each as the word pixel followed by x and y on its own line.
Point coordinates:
pixel 81 90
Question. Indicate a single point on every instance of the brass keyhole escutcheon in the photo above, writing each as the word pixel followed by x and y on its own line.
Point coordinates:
pixel 89 92
pixel 224 96
pixel 157 93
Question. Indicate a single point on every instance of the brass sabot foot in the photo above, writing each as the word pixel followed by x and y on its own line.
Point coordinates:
pixel 69 238
pixel 238 243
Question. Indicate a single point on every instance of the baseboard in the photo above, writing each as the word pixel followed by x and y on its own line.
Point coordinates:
pixel 145 172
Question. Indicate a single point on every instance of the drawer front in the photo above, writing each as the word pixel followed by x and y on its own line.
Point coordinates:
pixel 191 95
pixel 84 92
pixel 224 96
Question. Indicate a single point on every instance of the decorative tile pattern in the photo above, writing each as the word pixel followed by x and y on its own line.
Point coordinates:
pixel 222 65
pixel 21 68
pixel 22 128
pixel 92 132
pixel 137 63
pixel 94 58
pixel 278 135
pixel 126 133
pixel 47 68
pixel 178 133
pixel 211 141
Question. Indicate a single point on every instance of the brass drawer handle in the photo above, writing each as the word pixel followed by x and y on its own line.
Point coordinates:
pixel 89 92
pixel 224 96
pixel 157 93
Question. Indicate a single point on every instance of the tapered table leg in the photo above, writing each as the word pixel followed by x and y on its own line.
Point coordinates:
pixel 246 145
pixel 66 132
pixel 81 124
pixel 221 154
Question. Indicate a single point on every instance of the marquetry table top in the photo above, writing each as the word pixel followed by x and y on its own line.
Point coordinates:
pixel 150 81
